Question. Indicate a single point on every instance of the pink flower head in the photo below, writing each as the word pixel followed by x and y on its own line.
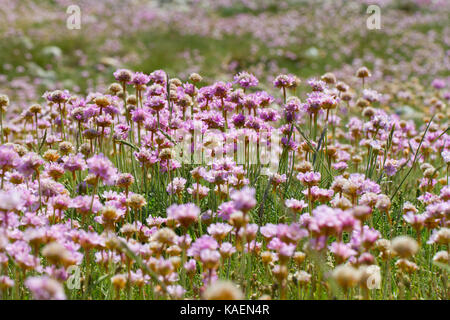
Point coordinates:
pixel 190 266
pixel 309 179
pixel 244 199
pixel 269 230
pixel 176 186
pixel 295 205
pixel 123 75
pixel 45 288
pixel 8 157
pixel 226 249
pixel 210 258
pixel 390 167
pixel 219 230
pixel 103 168
pixel 30 164
pixel 341 251
pixel 185 214
pixel 317 85
pixel 74 163
pixel 245 80
pixel 203 243
pixel 140 79
pixel 417 221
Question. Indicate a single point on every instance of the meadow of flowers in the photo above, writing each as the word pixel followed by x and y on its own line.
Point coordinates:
pixel 212 151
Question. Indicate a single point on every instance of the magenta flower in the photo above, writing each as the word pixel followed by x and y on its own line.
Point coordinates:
pixel 219 230
pixel 295 205
pixel 205 242
pixel 123 75
pixel 159 77
pixel 438 83
pixel 83 204
pixel 245 80
pixel 185 214
pixel 140 79
pixel 341 251
pixel 45 288
pixel 309 179
pixel 244 199
pixel 74 163
pixel 102 168
pixel 317 85
pixel 8 158
pixel 176 186
pixel 30 164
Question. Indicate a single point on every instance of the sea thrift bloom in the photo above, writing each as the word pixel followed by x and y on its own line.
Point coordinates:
pixel 243 200
pixel 139 115
pixel 226 250
pixel 10 200
pixel 406 266
pixel 102 168
pixel 185 214
pixel 404 246
pixel 366 237
pixel 441 236
pixel 286 81
pixel 362 212
pixel 54 170
pixel 124 180
pixel 136 201
pixel 176 186
pixel 390 167
pixel 119 281
pixel 318 194
pixel 58 96
pixel 221 89
pixel 190 266
pixel 296 205
pixel 441 256
pixel 6 282
pixel 210 258
pixel 341 251
pixel 4 102
pixel 44 288
pixel 123 75
pixel 383 203
pixel 30 164
pixel 225 210
pixel 205 242
pixel 309 179
pixel 446 156
pixel 139 79
pixel 281 81
pixel 176 291
pixel 417 221
pixel 245 80
pixel 8 158
pixel 363 72
pixel 74 163
pixel 83 204
pixel 371 95
pixel 156 103
pixel 198 190
pixel 438 83
pixel 219 230
pixel 317 85
pixel 159 77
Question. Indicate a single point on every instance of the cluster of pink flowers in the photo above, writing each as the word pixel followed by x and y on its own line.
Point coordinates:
pixel 97 182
